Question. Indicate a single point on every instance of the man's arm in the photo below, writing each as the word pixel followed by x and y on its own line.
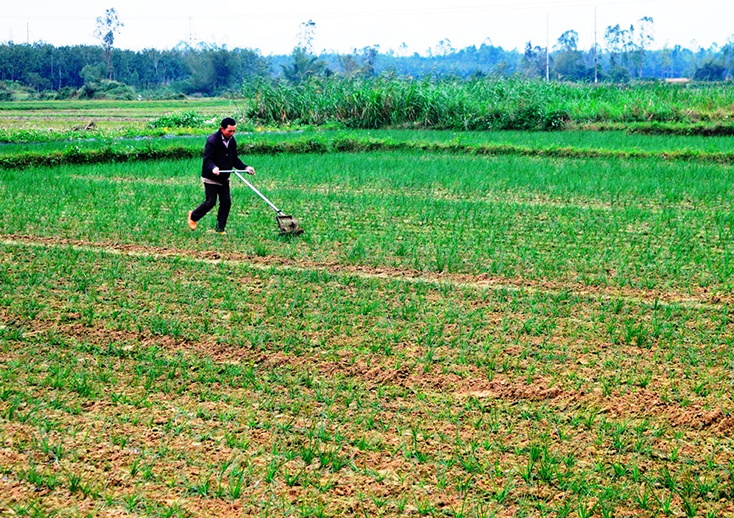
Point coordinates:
pixel 209 153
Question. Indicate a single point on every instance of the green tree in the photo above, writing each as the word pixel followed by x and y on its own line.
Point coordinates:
pixel 107 26
pixel 304 64
pixel 710 71
pixel 533 61
pixel 93 73
pixel 615 37
pixel 568 41
pixel 349 65
pixel 306 36
pixel 36 80
pixel 370 59
pixel 643 40
pixel 618 45
pixel 568 63
pixel 13 61
pixel 666 62
pixel 727 56
pixel 442 48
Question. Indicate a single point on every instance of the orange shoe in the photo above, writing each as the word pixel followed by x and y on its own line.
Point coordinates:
pixel 192 223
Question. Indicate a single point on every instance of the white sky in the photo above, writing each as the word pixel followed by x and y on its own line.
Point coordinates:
pixel 272 26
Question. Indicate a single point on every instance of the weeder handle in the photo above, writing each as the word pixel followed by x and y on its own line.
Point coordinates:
pixel 272 205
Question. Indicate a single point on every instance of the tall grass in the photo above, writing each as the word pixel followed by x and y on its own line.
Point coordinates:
pixel 481 103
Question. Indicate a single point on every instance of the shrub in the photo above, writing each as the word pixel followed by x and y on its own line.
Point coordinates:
pixel 189 119
pixel 106 89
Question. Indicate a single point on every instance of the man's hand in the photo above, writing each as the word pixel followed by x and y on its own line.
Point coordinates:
pixel 215 170
pixel 250 170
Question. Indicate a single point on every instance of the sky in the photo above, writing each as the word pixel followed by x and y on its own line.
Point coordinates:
pixel 401 26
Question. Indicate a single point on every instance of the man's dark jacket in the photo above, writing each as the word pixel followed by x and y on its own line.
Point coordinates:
pixel 216 154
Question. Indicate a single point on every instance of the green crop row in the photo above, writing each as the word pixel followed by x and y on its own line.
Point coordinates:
pixel 150 150
pixel 79 155
pixel 47 134
pixel 608 139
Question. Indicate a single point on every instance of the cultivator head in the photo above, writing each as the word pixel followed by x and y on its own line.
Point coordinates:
pixel 288 225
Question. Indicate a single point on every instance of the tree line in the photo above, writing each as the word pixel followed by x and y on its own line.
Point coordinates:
pixel 89 71
pixel 206 70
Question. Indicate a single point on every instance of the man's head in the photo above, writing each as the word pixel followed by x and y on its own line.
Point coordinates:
pixel 228 127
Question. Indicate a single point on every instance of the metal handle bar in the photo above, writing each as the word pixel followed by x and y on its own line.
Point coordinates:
pixel 276 209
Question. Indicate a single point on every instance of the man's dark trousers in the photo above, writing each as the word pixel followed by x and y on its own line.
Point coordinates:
pixel 225 202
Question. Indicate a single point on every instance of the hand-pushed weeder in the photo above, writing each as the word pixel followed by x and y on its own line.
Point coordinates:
pixel 286 223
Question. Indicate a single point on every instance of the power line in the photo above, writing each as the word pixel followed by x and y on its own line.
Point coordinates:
pixel 559 4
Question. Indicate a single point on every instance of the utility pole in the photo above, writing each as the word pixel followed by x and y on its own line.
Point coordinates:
pixel 547 55
pixel 595 56
pixel 28 33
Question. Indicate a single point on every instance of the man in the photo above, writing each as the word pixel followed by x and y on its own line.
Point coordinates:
pixel 220 154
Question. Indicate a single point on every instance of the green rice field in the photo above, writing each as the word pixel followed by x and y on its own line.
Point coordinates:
pixel 454 335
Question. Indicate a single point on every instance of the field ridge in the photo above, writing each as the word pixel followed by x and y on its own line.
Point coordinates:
pixel 122 153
